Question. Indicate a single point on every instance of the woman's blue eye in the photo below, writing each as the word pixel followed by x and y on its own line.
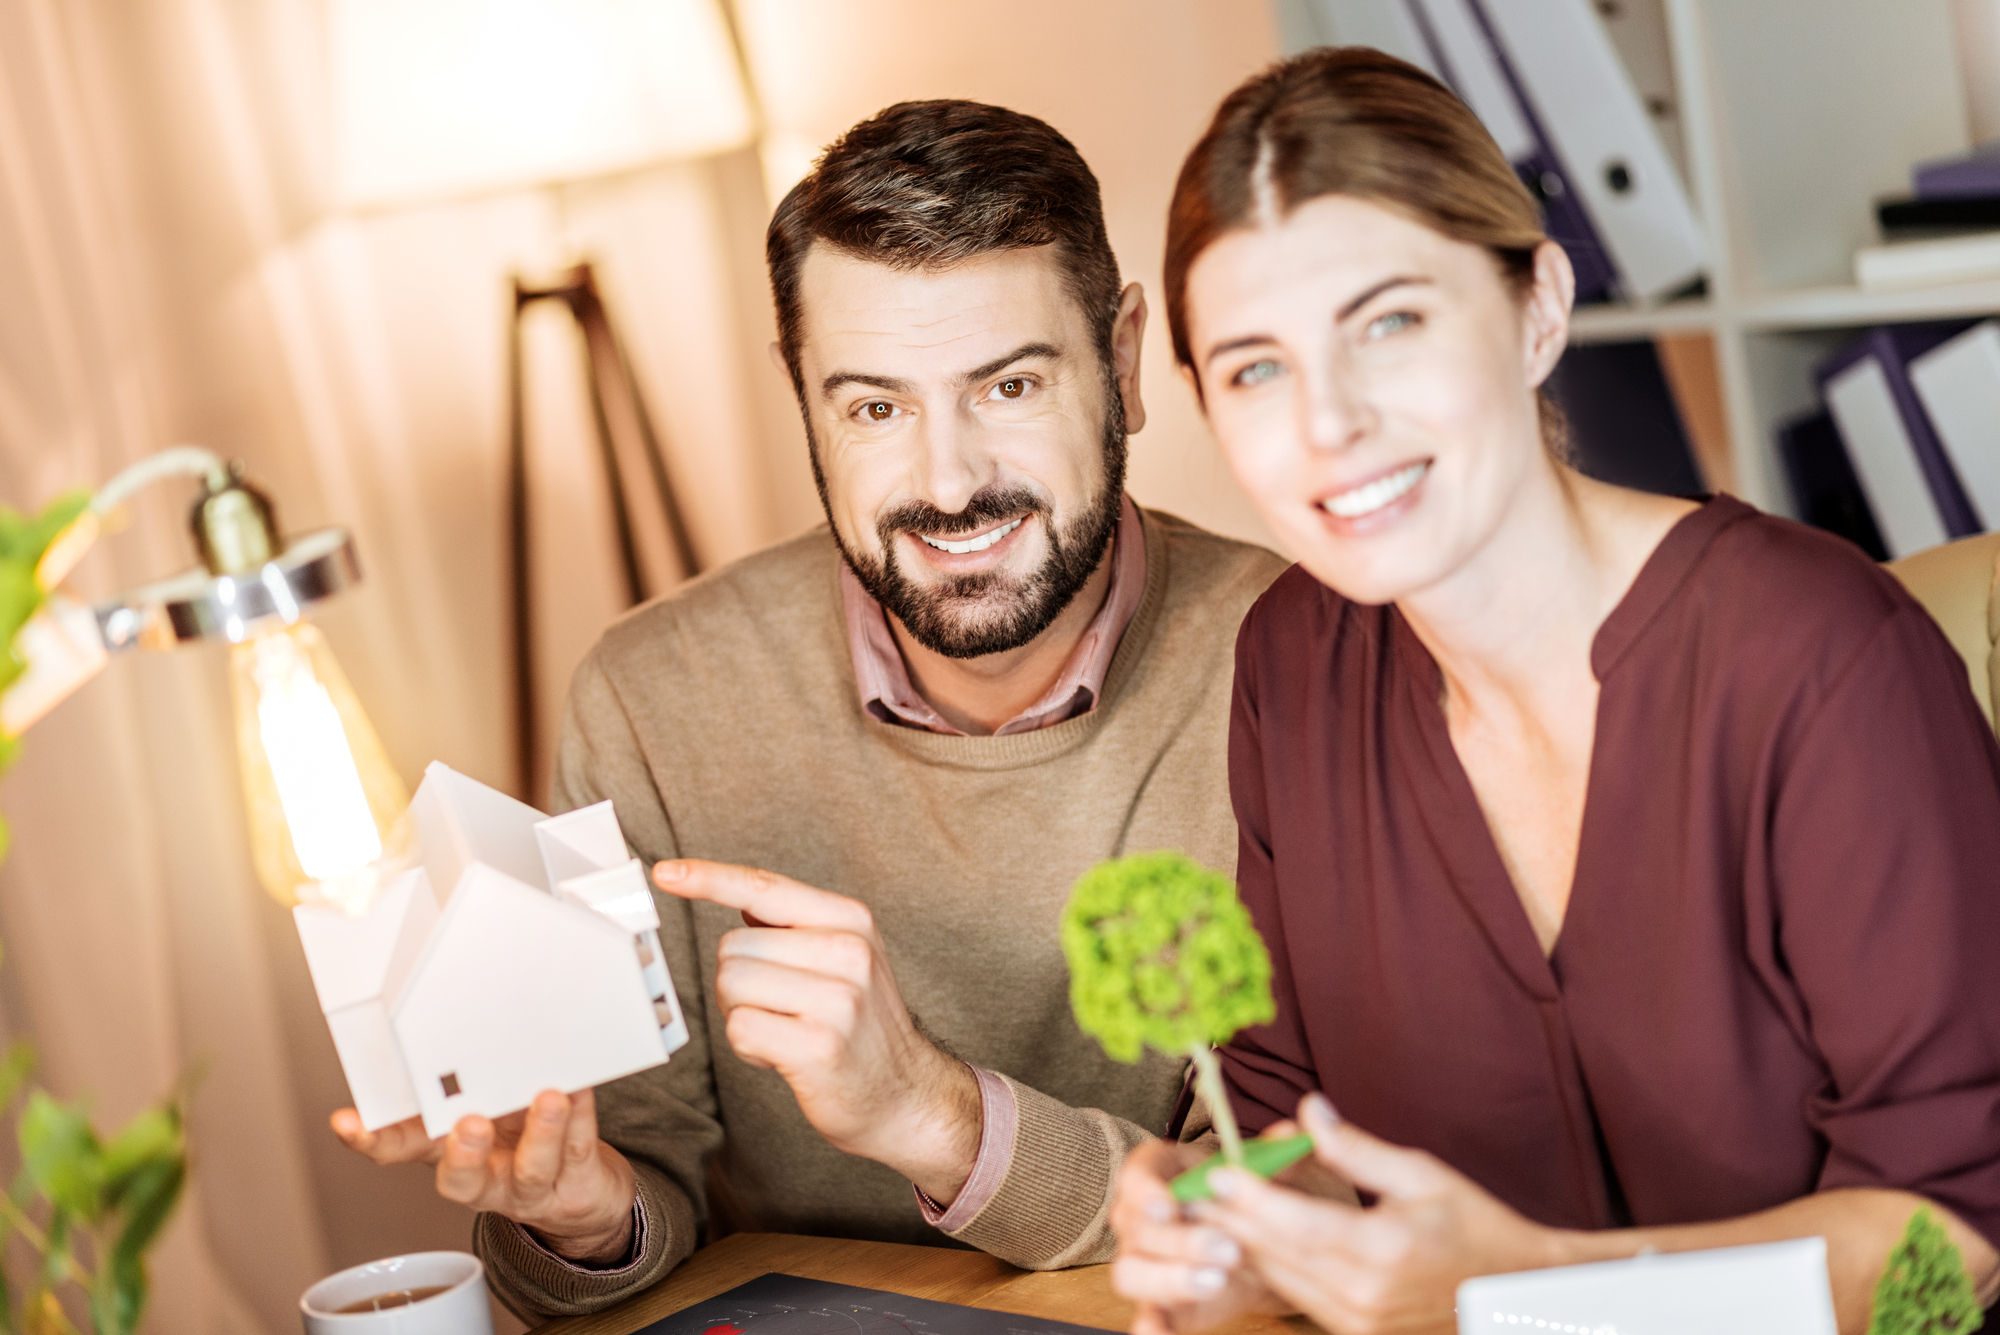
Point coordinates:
pixel 1393 323
pixel 1256 373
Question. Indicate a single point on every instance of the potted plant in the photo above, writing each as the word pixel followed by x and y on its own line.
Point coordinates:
pixel 88 1209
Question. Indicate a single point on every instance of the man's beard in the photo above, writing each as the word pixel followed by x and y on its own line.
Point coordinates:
pixel 968 616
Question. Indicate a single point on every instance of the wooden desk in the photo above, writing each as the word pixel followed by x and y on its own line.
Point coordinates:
pixel 940 1273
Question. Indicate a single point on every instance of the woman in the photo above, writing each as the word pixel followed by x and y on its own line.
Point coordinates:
pixel 1630 864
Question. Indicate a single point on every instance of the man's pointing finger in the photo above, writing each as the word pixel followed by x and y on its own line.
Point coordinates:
pixel 772 900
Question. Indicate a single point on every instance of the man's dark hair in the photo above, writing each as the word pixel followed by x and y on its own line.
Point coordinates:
pixel 926 184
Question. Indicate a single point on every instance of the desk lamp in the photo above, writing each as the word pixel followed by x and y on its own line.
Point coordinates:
pixel 326 809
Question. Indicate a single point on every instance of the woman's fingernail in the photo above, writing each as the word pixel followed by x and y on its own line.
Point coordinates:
pixel 1207 1280
pixel 1222 1251
pixel 1318 1112
pixel 1160 1212
pixel 670 870
pixel 1226 1182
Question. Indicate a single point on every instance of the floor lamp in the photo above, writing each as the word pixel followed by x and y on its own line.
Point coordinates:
pixel 608 373
pixel 444 99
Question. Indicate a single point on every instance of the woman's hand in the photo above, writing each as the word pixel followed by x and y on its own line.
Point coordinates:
pixel 1394 1266
pixel 1184 1276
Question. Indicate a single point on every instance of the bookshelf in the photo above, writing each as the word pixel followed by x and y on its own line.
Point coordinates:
pixel 1788 118
pixel 1793 117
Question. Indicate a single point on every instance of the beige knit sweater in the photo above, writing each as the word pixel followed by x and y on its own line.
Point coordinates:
pixel 724 723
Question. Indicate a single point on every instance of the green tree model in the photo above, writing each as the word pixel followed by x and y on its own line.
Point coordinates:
pixel 1163 954
pixel 1924 1289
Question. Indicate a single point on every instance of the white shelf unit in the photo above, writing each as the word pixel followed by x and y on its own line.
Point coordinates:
pixel 1794 116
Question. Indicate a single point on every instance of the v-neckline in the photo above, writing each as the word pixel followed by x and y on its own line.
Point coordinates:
pixel 1488 890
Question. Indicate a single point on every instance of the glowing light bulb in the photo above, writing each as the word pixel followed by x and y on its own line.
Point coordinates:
pixel 326 808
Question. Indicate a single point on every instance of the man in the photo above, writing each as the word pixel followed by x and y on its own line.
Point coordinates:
pixel 923 722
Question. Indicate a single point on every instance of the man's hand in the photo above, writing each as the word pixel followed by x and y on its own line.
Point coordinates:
pixel 543 1167
pixel 806 991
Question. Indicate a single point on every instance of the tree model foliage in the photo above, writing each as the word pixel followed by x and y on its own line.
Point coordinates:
pixel 1924 1289
pixel 87 1208
pixel 1163 954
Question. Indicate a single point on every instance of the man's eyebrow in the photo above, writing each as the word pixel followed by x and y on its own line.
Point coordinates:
pixel 1258 340
pixel 889 384
pixel 1022 353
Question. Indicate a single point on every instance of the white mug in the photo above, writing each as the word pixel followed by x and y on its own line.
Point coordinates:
pixel 458 1307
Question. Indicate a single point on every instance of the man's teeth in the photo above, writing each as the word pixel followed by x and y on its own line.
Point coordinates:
pixel 978 544
pixel 1372 496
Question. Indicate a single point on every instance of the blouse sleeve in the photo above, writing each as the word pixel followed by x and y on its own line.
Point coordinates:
pixel 1267 1068
pixel 1884 853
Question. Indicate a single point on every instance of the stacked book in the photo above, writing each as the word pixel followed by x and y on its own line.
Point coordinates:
pixel 1904 452
pixel 1947 230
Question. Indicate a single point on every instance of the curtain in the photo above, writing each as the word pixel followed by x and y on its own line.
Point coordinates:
pixel 170 270
pixel 172 273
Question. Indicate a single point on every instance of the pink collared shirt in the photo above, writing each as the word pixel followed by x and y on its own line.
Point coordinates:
pixel 884 680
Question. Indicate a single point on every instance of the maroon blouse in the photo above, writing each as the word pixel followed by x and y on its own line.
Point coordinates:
pixel 1780 969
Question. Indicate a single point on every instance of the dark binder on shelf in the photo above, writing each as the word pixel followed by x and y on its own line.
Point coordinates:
pixel 1463 51
pixel 1624 422
pixel 1954 213
pixel 1586 145
pixel 1825 491
pixel 1913 491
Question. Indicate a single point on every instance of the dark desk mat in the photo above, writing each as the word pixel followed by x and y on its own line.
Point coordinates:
pixel 787 1305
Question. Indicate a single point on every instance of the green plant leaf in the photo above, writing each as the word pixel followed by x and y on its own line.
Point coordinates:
pixel 55 1261
pixel 47 526
pixel 61 1153
pixel 15 1068
pixel 154 1136
pixel 1924 1289
pixel 149 1201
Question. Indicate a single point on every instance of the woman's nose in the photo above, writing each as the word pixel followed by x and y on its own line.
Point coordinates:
pixel 1336 411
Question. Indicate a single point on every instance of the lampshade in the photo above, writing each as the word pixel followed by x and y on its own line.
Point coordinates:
pixel 442 98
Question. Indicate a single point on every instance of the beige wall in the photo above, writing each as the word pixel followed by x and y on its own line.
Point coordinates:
pixel 1131 82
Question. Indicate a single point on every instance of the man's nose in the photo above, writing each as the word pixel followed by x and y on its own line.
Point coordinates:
pixel 954 465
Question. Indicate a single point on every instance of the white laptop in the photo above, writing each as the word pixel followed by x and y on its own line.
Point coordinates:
pixel 1775 1288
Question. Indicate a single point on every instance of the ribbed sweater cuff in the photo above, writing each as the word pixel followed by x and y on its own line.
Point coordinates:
pixel 535 1282
pixel 1052 1209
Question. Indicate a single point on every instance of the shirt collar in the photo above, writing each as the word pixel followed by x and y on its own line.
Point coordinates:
pixel 884 680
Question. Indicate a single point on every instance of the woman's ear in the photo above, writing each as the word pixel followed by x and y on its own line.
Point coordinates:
pixel 1546 312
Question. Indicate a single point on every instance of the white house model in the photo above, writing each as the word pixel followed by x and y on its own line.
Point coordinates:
pixel 541 970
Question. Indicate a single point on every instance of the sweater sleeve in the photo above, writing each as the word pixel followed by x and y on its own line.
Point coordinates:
pixel 1052 1208
pixel 664 1120
pixel 1884 854
pixel 1267 1068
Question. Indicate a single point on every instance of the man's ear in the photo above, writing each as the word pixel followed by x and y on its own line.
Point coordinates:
pixel 1128 336
pixel 1547 312
pixel 778 359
